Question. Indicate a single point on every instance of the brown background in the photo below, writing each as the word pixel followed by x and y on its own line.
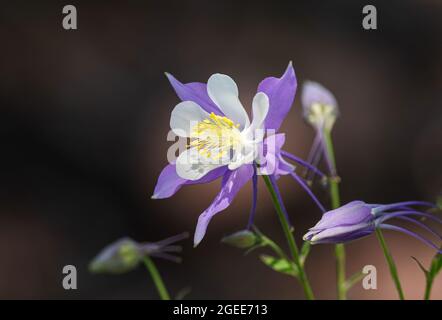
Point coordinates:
pixel 85 113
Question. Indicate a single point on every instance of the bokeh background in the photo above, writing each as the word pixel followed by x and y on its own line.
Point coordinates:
pixel 85 114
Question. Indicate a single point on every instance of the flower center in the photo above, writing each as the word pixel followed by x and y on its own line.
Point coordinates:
pixel 322 114
pixel 215 136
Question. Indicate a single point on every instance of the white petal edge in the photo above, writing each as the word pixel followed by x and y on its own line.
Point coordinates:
pixel 245 155
pixel 184 116
pixel 224 93
pixel 191 165
pixel 260 108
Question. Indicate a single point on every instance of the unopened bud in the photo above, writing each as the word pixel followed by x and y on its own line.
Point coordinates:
pixel 119 257
pixel 243 239
pixel 319 106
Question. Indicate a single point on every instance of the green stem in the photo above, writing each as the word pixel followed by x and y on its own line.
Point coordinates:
pixel 336 202
pixel 269 242
pixel 340 271
pixel 290 239
pixel 428 287
pixel 391 264
pixel 156 277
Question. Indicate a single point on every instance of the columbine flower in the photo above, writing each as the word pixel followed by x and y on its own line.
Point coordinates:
pixel 320 110
pixel 218 140
pixel 223 141
pixel 125 254
pixel 358 219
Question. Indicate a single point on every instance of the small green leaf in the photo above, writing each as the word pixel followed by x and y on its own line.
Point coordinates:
pixel 430 275
pixel 280 265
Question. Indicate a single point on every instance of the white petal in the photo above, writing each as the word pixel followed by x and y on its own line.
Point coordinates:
pixel 260 110
pixel 184 116
pixel 191 165
pixel 245 155
pixel 224 93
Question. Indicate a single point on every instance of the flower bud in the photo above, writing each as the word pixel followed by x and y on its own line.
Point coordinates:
pixel 119 257
pixel 320 108
pixel 358 219
pixel 351 221
pixel 243 239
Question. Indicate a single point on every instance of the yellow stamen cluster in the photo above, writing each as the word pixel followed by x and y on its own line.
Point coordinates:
pixel 215 136
pixel 322 114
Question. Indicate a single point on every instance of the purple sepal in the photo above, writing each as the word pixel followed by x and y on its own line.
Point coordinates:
pixel 281 93
pixel 169 182
pixel 194 91
pixel 232 182
pixel 271 160
pixel 352 213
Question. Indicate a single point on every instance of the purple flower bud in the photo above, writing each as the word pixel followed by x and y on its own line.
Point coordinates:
pixel 358 219
pixel 319 106
pixel 349 222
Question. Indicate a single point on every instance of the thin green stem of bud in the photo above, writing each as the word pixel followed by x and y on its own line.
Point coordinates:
pixel 156 277
pixel 336 202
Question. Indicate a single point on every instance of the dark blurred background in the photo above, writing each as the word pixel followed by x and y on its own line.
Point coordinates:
pixel 85 113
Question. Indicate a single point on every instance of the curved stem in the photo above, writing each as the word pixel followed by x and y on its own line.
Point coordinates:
pixel 384 207
pixel 275 248
pixel 156 277
pixel 391 215
pixel 303 163
pixel 391 264
pixel 329 153
pixel 309 192
pixel 280 210
pixel 336 202
pixel 422 225
pixel 315 149
pixel 410 233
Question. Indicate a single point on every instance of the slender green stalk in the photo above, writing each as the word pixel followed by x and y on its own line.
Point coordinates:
pixel 355 278
pixel 391 264
pixel 290 239
pixel 340 271
pixel 156 277
pixel 336 202
pixel 428 287
pixel 269 242
pixel 431 274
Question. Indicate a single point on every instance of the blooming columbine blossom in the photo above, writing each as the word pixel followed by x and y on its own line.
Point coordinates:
pixel 218 140
pixel 320 110
pixel 224 142
pixel 125 254
pixel 358 219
